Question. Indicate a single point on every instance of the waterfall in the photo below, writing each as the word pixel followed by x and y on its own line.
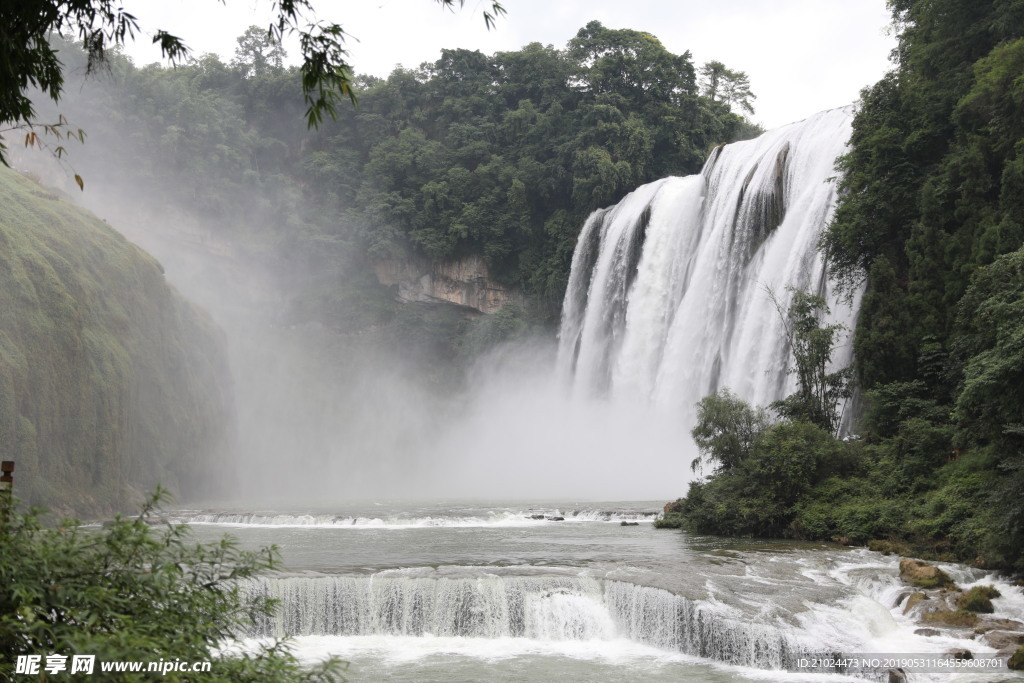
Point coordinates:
pixel 538 607
pixel 668 294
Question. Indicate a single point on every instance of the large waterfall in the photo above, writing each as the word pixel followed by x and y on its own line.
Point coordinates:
pixel 668 298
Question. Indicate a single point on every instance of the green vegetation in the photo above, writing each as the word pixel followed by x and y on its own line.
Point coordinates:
pixel 978 599
pixel 819 392
pixel 932 217
pixel 944 617
pixel 109 382
pixel 30 59
pixel 913 601
pixel 136 590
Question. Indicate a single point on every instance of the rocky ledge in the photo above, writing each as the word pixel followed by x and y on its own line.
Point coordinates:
pixel 940 606
pixel 464 282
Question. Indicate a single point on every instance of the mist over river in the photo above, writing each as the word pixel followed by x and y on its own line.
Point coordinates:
pixel 509 592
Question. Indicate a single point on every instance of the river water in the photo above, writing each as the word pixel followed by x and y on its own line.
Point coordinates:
pixel 507 592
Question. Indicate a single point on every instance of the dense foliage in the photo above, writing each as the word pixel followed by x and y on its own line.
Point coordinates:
pixel 931 217
pixel 30 59
pixel 500 155
pixel 821 390
pixel 110 382
pixel 137 590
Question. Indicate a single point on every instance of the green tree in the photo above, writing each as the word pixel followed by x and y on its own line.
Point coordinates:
pixel 258 54
pixel 135 590
pixel 726 430
pixel 989 408
pixel 30 60
pixel 720 84
pixel 632 64
pixel 819 391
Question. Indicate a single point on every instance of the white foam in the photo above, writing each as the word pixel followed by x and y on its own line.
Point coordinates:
pixel 505 518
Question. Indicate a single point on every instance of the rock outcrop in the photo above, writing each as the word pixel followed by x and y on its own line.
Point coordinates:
pixel 465 282
pixel 923 575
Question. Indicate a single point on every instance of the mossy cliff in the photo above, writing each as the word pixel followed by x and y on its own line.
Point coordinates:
pixel 110 382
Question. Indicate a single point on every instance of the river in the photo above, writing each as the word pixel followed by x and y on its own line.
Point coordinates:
pixel 508 592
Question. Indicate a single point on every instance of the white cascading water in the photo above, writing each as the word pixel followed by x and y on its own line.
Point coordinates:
pixel 668 294
pixel 539 607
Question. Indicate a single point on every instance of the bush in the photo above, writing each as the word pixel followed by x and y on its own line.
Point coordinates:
pixel 134 590
pixel 978 599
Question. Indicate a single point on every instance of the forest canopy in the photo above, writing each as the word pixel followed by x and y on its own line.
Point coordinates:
pixel 31 61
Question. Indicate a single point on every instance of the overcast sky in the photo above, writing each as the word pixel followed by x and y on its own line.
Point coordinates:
pixel 802 56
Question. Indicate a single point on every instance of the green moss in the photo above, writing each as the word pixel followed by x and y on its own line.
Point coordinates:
pixel 913 601
pixel 888 547
pixel 109 381
pixel 1016 662
pixel 978 599
pixel 949 618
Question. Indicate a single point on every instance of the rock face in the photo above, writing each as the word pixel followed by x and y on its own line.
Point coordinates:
pixel 464 282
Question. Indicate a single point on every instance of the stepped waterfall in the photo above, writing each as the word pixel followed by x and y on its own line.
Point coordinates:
pixel 538 607
pixel 668 297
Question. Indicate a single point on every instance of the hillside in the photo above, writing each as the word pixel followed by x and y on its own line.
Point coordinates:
pixel 110 382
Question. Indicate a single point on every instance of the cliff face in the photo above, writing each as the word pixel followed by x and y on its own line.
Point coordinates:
pixel 465 282
pixel 110 382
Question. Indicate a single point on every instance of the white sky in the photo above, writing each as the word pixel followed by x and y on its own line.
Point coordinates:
pixel 802 56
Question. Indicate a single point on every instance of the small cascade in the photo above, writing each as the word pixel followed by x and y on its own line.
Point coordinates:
pixel 668 295
pixel 538 607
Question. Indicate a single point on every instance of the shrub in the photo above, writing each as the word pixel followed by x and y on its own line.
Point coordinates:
pixel 134 590
pixel 978 599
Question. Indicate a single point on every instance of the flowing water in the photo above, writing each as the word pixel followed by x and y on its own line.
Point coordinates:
pixel 460 592
pixel 669 295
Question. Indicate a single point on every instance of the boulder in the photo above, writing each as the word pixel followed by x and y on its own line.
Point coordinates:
pixel 960 653
pixel 1016 661
pixel 958 619
pixel 1003 640
pixel 897 676
pixel 624 523
pixel 923 575
pixel 913 601
pixel 927 632
pixel 991 624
